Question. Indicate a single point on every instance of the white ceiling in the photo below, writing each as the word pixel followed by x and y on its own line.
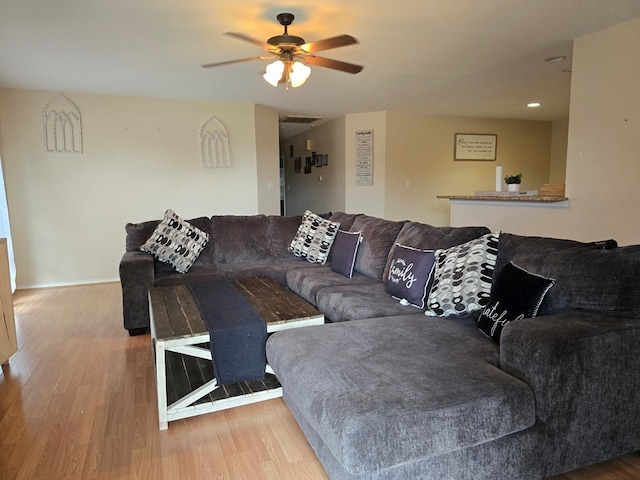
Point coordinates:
pixel 456 57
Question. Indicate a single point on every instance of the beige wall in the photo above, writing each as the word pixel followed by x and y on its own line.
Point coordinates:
pixel 323 190
pixel 602 153
pixel 559 139
pixel 268 160
pixel 369 199
pixel 420 165
pixel 413 163
pixel 141 156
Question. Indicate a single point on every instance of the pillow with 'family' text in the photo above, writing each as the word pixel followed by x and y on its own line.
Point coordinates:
pixel 409 273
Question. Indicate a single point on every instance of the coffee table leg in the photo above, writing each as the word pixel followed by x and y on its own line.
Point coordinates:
pixel 161 385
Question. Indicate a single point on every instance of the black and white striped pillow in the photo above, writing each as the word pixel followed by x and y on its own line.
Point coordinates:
pixel 176 242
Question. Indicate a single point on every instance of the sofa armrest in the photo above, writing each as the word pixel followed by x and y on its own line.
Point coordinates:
pixel 583 369
pixel 136 277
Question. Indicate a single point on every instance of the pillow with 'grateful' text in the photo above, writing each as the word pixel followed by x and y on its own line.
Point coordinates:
pixel 516 294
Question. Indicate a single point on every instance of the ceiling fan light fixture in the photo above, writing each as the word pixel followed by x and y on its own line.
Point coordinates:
pixel 299 74
pixel 274 72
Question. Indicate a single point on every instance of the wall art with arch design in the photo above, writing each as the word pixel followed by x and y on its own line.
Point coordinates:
pixel 214 145
pixel 62 126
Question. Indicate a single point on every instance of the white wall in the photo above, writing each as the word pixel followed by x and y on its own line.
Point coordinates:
pixel 141 156
pixel 602 154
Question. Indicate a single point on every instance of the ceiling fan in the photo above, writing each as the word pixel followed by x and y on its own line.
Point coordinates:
pixel 293 55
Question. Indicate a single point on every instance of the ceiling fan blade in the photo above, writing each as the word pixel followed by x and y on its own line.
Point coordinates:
pixel 327 43
pixel 247 38
pixel 239 60
pixel 334 64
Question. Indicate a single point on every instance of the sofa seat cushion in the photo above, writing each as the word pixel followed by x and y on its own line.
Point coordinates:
pixel 340 303
pixel 277 271
pixel 351 384
pixel 197 274
pixel 306 282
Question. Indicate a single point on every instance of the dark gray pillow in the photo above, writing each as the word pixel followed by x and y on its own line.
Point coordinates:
pixel 516 294
pixel 344 251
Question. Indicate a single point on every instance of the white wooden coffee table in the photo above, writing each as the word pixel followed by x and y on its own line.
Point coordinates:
pixel 184 372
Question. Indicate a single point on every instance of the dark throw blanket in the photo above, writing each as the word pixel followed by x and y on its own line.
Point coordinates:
pixel 238 334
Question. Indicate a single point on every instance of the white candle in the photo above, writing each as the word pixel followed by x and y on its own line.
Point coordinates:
pixel 499 178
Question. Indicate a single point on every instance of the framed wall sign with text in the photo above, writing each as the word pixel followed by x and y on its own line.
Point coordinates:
pixel 473 146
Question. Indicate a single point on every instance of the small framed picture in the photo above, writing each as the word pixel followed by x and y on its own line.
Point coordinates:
pixel 473 146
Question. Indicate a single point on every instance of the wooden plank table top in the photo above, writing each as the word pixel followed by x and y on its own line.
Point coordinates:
pixel 275 304
pixel 177 316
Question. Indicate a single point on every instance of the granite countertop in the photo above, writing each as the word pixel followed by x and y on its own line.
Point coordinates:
pixel 510 198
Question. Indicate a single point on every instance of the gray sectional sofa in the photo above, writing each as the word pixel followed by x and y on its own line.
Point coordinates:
pixel 384 391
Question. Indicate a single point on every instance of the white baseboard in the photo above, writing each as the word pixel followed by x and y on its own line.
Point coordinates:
pixel 66 284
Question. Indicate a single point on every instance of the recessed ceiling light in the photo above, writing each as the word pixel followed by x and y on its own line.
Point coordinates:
pixel 557 58
pixel 534 104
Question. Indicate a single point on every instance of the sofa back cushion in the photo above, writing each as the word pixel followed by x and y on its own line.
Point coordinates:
pixel 344 219
pixel 378 235
pixel 280 232
pixel 604 281
pixel 428 237
pixel 239 238
pixel 139 233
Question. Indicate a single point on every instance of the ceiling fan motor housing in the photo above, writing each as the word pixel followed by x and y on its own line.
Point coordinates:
pixel 285 39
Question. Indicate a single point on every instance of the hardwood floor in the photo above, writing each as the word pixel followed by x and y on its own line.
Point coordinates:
pixel 78 402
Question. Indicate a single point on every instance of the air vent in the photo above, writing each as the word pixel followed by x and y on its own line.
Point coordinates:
pixel 300 119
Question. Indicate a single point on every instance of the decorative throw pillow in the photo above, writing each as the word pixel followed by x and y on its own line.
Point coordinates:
pixel 462 277
pixel 343 252
pixel 515 294
pixel 409 273
pixel 176 242
pixel 314 238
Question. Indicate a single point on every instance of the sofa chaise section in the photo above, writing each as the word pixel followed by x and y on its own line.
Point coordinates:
pixel 399 390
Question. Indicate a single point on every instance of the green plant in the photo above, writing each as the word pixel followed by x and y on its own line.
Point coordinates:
pixel 513 179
